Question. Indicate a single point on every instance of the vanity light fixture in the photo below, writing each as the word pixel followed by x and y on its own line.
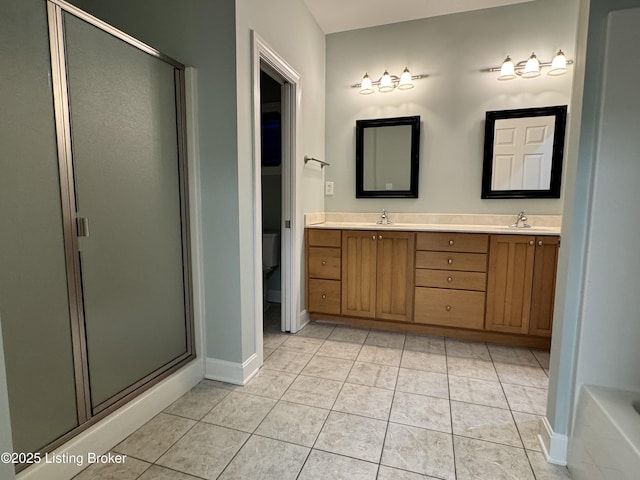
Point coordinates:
pixel 532 67
pixel 387 82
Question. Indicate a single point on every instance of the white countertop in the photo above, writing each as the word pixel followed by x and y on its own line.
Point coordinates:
pixel 540 224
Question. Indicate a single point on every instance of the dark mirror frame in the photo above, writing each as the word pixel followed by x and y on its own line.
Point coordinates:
pixel 414 122
pixel 560 112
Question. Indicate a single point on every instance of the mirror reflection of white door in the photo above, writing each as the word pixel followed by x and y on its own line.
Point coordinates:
pixel 522 153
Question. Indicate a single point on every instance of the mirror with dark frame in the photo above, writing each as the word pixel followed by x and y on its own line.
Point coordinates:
pixel 387 157
pixel 523 152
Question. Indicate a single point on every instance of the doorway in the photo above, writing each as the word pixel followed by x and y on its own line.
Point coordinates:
pixel 271 67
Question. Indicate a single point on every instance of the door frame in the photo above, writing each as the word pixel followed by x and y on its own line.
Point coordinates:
pixel 290 264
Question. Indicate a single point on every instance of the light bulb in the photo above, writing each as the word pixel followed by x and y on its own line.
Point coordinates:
pixel 532 67
pixel 365 86
pixel 558 65
pixel 507 71
pixel 386 83
pixel 405 80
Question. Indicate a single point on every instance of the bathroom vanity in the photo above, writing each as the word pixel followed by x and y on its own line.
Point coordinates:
pixel 470 281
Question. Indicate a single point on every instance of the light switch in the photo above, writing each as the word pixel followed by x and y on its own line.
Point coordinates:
pixel 328 188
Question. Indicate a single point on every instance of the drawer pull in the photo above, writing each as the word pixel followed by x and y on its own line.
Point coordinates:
pixel 451 243
pixel 448 308
pixel 449 279
pixel 540 243
pixel 373 237
pixel 450 261
pixel 324 296
pixel 379 237
pixel 531 242
pixel 324 262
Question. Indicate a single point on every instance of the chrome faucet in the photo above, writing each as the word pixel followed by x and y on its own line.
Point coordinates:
pixel 521 218
pixel 384 218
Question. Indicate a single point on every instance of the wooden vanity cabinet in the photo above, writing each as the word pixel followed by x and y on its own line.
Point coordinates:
pixel 521 284
pixel 451 279
pixel 377 274
pixel 324 271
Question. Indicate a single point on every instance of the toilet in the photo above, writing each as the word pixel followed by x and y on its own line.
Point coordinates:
pixel 270 259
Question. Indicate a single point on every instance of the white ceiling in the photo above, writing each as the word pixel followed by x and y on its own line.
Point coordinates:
pixel 341 15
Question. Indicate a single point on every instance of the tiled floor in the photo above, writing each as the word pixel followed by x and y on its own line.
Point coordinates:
pixel 342 403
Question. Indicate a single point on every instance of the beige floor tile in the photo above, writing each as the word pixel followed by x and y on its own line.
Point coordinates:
pixel 385 339
pixel 334 349
pixel 330 368
pixel 473 390
pixel 461 348
pixel 529 427
pixel 269 383
pixel 302 344
pixel 347 334
pixel 156 472
pixel 421 411
pixel 293 423
pixel 373 375
pixel 484 423
pixel 476 459
pixel 273 340
pixel 526 399
pixel 522 375
pixel 547 471
pixel 198 401
pixel 471 367
pixel 155 437
pixel 423 343
pixel 419 450
pixel 422 383
pixel 193 452
pixel 366 401
pixel 266 459
pixel 130 469
pixel 240 411
pixel 388 473
pixel 543 357
pixel 316 330
pixel 352 436
pixel 382 355
pixel 266 352
pixel 430 362
pixel 287 360
pixel 328 466
pixel 516 355
pixel 313 391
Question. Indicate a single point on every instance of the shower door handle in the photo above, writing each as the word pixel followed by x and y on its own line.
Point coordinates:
pixel 82 226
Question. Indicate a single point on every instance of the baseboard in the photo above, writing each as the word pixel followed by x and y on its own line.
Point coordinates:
pixel 110 431
pixel 304 319
pixel 554 445
pixel 232 372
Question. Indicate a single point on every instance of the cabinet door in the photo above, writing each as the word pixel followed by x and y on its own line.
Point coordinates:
pixel 509 283
pixel 544 285
pixel 394 294
pixel 359 273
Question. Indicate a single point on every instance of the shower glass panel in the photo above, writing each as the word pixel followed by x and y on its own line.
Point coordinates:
pixel 125 158
pixel 34 304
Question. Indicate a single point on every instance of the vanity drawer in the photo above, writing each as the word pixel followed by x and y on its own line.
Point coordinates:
pixel 453 242
pixel 324 262
pixel 449 308
pixel 324 296
pixel 324 238
pixel 451 279
pixel 472 262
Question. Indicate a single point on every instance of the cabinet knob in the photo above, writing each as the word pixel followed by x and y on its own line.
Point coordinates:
pixel 531 242
pixel 379 237
pixel 324 262
pixel 451 243
pixel 448 308
pixel 540 243
pixel 373 237
pixel 450 261
pixel 324 295
pixel 449 279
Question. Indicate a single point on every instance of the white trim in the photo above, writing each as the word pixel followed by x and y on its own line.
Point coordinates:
pixel 232 372
pixel 554 445
pixel 304 319
pixel 290 267
pixel 110 431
